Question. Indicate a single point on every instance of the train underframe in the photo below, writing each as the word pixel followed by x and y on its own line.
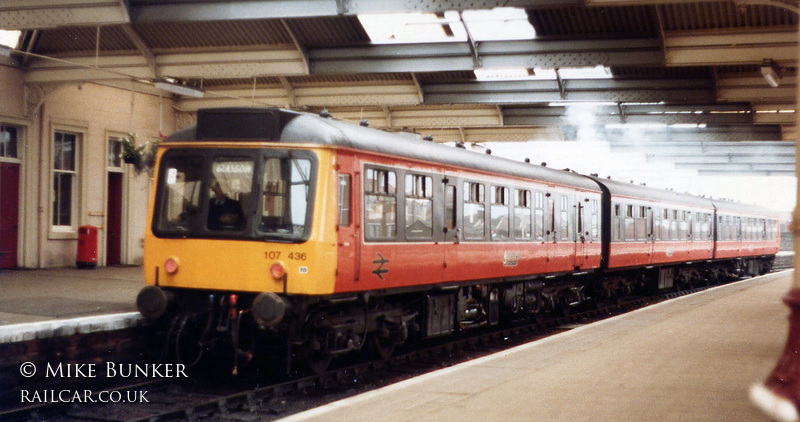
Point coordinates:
pixel 314 331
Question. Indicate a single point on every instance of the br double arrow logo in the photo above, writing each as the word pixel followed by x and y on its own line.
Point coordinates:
pixel 380 271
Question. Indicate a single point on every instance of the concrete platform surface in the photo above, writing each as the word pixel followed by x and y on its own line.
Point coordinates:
pixel 49 295
pixel 689 359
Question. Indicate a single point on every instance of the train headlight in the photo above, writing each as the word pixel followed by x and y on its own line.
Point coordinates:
pixel 277 270
pixel 171 265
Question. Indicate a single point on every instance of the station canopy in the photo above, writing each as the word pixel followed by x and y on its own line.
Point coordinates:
pixel 709 84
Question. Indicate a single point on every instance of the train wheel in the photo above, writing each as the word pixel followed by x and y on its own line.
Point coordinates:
pixel 316 361
pixel 383 346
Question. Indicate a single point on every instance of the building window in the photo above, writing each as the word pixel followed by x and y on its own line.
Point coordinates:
pixel 8 141
pixel 114 152
pixel 380 204
pixel 65 179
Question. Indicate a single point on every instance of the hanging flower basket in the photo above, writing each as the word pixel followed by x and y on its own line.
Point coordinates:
pixel 141 157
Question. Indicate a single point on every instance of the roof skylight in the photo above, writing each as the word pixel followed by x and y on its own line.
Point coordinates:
pixel 503 23
pixel 514 73
pixel 597 72
pixel 500 24
pixel 416 27
pixel 10 38
pixel 517 73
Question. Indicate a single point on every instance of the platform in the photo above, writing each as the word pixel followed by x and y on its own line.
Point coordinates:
pixel 46 303
pixel 689 359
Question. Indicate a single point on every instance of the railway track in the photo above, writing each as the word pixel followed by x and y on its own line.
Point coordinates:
pixel 256 397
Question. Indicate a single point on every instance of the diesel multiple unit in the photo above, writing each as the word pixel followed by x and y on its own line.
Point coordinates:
pixel 274 233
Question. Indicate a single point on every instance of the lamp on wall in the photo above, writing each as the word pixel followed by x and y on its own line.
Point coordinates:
pixel 771 72
pixel 171 86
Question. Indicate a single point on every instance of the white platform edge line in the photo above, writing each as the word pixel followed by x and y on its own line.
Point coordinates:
pixel 64 327
pixel 319 411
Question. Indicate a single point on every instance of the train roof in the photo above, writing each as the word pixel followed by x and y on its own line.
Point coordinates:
pixel 286 126
pixel 632 190
pixel 740 208
pixel 618 188
pixel 272 124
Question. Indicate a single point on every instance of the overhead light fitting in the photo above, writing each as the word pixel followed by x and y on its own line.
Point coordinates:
pixel 771 72
pixel 174 88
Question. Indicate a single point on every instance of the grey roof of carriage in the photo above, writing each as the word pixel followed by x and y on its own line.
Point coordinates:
pixel 304 128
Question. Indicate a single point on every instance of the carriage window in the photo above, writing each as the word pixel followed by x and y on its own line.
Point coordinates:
pixel 564 219
pixel 522 214
pixel 474 211
pixel 705 227
pixel 285 199
pixel 450 207
pixel 595 219
pixel 683 226
pixel 641 223
pixel 615 222
pixel 225 197
pixel 229 193
pixel 725 231
pixel 499 213
pixel 380 204
pixel 629 223
pixel 344 200
pixel 180 182
pixel 419 207
pixel 738 227
pixel 671 226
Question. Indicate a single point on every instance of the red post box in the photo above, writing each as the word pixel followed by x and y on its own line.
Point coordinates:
pixel 87 247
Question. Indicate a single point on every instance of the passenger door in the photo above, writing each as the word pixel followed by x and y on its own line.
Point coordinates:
pixel 581 232
pixel 550 232
pixel 349 220
pixel 451 226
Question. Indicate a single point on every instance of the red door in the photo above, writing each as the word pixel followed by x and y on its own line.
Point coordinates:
pixel 114 220
pixel 453 235
pixel 349 242
pixel 9 214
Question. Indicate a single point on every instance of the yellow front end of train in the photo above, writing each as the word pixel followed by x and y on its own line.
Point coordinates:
pixel 284 239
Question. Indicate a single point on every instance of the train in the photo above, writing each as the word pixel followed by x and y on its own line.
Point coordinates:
pixel 277 235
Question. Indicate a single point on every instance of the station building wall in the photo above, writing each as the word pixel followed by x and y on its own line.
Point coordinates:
pixel 63 144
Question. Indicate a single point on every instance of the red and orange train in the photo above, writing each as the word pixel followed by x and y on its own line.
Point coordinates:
pixel 277 230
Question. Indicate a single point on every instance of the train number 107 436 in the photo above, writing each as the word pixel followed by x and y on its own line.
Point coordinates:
pixel 295 256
